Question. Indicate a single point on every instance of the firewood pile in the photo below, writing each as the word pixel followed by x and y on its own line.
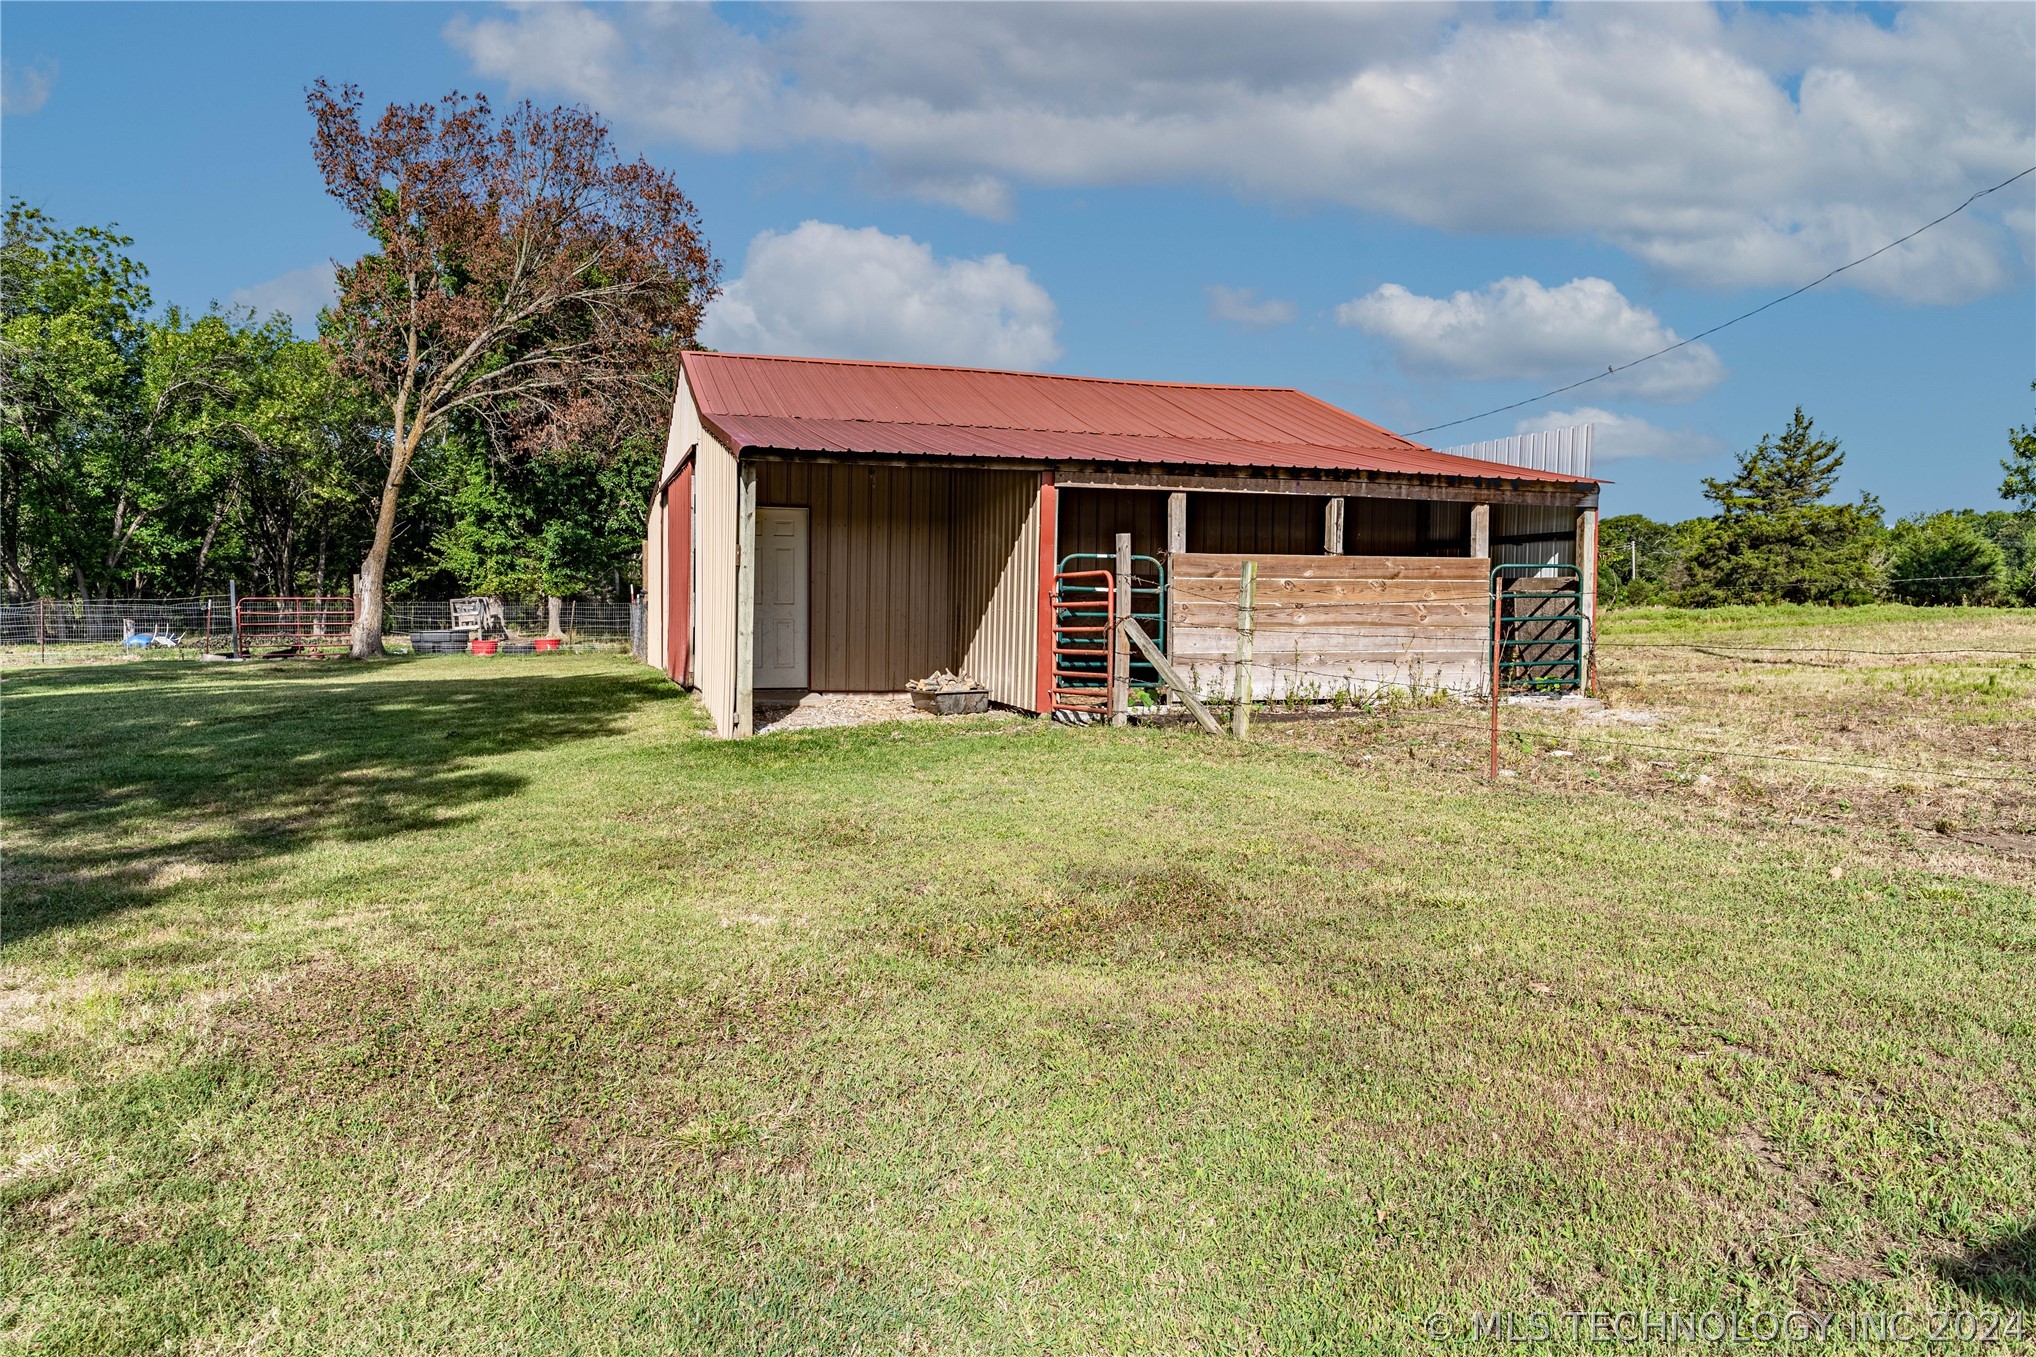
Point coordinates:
pixel 946 681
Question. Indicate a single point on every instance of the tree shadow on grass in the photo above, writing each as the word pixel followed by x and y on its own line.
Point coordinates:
pixel 2001 1274
pixel 125 783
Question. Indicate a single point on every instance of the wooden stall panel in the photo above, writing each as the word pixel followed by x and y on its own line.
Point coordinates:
pixel 1325 625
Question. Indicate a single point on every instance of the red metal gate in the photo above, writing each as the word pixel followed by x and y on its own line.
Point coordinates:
pixel 313 623
pixel 1082 607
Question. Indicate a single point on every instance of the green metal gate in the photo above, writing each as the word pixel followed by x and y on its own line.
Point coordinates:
pixel 1083 653
pixel 1538 626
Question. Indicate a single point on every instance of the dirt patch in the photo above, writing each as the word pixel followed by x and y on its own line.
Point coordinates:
pixel 1169 909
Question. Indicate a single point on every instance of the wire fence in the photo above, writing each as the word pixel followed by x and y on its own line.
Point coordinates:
pixel 71 631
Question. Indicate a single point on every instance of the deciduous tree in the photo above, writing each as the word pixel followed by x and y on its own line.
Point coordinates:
pixel 523 274
pixel 2019 486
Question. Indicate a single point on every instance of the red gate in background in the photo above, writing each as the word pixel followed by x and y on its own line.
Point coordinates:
pixel 279 627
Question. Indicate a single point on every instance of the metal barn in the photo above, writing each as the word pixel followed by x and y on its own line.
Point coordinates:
pixel 847 527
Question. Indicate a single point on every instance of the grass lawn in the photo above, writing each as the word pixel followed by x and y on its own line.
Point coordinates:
pixel 486 1005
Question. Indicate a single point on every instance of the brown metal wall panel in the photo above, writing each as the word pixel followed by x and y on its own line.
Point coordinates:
pixel 1091 519
pixel 1290 524
pixel 882 589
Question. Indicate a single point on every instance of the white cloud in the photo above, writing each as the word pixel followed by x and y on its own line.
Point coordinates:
pixel 1518 329
pixel 1724 146
pixel 1619 437
pixel 25 89
pixel 827 291
pixel 299 294
pixel 1241 307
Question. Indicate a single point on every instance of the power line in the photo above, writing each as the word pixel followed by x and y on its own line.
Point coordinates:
pixel 1748 315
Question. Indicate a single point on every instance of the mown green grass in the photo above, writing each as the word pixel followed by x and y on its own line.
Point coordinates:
pixel 487 1005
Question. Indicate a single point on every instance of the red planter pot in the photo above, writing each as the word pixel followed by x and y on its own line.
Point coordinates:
pixel 544 643
pixel 480 647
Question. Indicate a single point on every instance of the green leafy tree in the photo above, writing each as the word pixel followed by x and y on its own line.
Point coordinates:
pixel 1641 560
pixel 1775 539
pixel 1945 558
pixel 150 455
pixel 2019 486
pixel 539 526
pixel 72 343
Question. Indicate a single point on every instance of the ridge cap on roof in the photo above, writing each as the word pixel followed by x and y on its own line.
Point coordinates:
pixel 1001 372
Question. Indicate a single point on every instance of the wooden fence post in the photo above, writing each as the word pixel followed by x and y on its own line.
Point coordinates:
pixel 1240 707
pixel 1498 595
pixel 1120 642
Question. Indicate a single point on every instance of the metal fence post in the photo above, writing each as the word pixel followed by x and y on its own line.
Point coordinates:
pixel 233 607
pixel 1240 706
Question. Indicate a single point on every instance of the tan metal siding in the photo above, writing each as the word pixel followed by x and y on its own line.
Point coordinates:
pixel 997 586
pixel 882 586
pixel 715 522
pixel 654 585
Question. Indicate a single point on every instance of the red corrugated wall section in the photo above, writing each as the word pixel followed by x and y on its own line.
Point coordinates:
pixel 679 575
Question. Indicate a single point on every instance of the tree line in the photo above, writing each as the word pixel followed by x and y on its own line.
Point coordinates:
pixel 163 454
pixel 1777 537
pixel 483 410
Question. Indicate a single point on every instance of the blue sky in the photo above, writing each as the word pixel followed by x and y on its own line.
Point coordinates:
pixel 1417 212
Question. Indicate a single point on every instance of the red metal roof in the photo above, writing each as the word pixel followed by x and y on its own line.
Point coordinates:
pixel 901 409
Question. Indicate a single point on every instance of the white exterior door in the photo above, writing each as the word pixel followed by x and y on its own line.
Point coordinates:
pixel 781 598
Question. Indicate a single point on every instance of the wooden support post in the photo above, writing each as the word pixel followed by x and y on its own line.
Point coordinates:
pixel 1240 707
pixel 1171 676
pixel 1120 642
pixel 1480 531
pixel 1332 526
pixel 1177 522
pixel 745 601
pixel 1587 591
